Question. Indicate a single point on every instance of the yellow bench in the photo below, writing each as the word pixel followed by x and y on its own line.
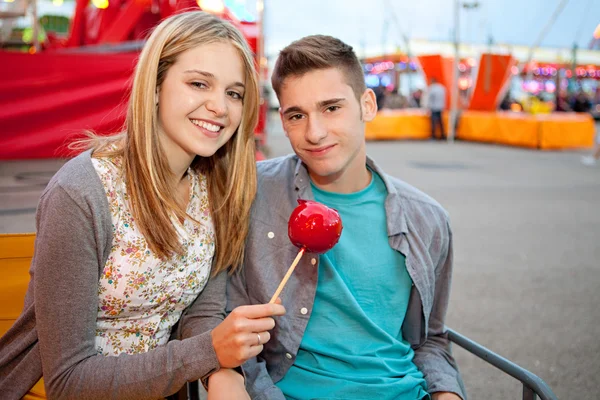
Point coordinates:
pixel 16 251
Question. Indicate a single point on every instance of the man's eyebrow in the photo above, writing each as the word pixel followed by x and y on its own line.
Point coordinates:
pixel 327 103
pixel 293 109
pixel 320 104
pixel 211 76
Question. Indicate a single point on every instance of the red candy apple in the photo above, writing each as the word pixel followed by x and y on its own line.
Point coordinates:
pixel 314 226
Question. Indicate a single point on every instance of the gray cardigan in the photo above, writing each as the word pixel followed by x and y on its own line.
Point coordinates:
pixel 56 331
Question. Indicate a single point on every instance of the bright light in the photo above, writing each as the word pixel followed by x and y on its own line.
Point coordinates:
pixel 212 6
pixel 514 70
pixel 9 1
pixel 463 83
pixel 101 4
pixel 57 3
pixel 471 61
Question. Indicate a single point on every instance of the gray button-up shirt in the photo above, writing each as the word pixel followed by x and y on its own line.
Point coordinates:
pixel 417 227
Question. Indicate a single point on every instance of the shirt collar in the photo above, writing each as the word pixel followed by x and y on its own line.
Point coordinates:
pixel 396 217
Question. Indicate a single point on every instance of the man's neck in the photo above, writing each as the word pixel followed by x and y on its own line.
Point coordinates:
pixel 346 183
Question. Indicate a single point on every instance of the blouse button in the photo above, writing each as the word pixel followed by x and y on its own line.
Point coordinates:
pixel 303 310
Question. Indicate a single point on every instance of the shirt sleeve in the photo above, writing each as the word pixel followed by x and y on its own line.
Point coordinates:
pixel 434 358
pixel 66 262
pixel 259 384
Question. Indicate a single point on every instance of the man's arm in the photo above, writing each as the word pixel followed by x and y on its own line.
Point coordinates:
pixel 434 358
pixel 259 384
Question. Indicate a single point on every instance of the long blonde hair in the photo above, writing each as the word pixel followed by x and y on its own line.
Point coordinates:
pixel 231 171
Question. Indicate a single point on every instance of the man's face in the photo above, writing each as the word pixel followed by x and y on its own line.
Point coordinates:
pixel 325 124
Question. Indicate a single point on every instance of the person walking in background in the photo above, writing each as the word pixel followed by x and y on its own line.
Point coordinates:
pixel 436 103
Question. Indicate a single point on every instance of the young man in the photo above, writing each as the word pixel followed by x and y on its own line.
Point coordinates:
pixel 366 319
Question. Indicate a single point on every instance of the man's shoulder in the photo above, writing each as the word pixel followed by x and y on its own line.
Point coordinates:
pixel 276 170
pixel 415 200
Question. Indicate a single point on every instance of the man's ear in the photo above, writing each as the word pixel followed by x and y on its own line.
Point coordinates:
pixel 282 124
pixel 368 105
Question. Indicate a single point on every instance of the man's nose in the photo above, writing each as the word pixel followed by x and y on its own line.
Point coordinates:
pixel 315 130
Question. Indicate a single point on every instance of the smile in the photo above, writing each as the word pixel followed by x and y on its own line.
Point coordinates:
pixel 206 125
pixel 320 150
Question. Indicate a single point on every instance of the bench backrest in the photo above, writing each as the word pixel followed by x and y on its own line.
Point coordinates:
pixel 16 251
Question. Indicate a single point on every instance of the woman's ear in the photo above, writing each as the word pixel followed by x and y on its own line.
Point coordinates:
pixel 368 105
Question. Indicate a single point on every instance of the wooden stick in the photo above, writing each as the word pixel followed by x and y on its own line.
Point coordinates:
pixel 287 276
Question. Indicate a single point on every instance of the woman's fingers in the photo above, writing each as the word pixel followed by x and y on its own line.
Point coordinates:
pixel 244 332
pixel 263 337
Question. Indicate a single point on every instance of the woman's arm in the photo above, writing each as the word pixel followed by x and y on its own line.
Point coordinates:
pixel 66 264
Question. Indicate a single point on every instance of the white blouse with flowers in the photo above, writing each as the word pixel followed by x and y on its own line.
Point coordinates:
pixel 140 296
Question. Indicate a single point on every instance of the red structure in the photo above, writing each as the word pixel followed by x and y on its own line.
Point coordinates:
pixel 82 82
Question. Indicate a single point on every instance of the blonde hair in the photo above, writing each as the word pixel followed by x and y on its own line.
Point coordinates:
pixel 231 171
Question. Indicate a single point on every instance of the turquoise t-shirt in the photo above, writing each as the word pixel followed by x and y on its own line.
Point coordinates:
pixel 353 347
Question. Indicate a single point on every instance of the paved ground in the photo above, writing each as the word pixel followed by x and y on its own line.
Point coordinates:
pixel 527 252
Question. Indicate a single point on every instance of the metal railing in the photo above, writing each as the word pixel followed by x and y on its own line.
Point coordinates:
pixel 533 385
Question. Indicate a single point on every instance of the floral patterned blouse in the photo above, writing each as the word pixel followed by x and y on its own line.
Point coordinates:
pixel 140 296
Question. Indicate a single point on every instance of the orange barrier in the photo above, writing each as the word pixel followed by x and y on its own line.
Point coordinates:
pixel 516 129
pixel 549 132
pixel 477 126
pixel 569 130
pixel 399 124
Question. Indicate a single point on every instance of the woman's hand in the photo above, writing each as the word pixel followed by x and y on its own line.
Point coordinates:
pixel 244 332
pixel 227 384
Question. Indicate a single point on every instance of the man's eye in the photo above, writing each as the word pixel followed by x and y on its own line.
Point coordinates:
pixel 332 108
pixel 235 95
pixel 295 117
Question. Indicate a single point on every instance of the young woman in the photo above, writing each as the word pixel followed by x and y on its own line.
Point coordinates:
pixel 139 231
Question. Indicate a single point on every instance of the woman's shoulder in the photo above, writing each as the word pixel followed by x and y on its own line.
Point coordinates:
pixel 78 179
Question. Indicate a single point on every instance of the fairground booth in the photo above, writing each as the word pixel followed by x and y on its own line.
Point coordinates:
pixel 67 72
pixel 503 97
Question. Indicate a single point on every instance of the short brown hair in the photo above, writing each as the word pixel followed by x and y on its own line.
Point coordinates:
pixel 318 52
